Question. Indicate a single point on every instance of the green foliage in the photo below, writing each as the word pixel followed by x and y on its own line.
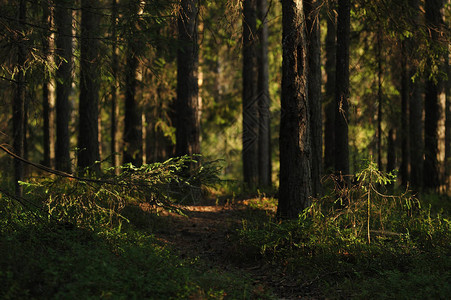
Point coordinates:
pixel 327 249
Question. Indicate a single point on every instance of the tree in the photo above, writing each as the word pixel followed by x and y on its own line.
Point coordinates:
pixel 404 169
pixel 133 140
pixel 187 103
pixel 342 88
pixel 46 21
pixel 63 59
pixel 311 9
pixel 264 132
pixel 88 133
pixel 250 103
pixel 19 102
pixel 329 101
pixel 431 116
pixel 114 85
pixel 295 186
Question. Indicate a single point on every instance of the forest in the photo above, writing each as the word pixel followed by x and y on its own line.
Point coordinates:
pixel 240 149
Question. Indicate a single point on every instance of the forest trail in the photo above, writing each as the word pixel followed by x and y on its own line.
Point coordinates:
pixel 208 231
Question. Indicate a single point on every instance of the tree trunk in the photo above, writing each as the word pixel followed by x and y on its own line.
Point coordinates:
pixel 431 116
pixel 63 59
pixel 114 88
pixel 88 142
pixel 46 18
pixel 379 99
pixel 133 140
pixel 448 125
pixel 250 103
pixel 264 133
pixel 19 104
pixel 342 88
pixel 329 108
pixel 311 9
pixel 404 170
pixel 187 106
pixel 295 188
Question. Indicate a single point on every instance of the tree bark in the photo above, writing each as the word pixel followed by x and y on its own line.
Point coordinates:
pixel 311 9
pixel 19 104
pixel 63 59
pixel 46 21
pixel 88 142
pixel 250 102
pixel 342 88
pixel 264 133
pixel 133 139
pixel 379 99
pixel 329 108
pixel 404 169
pixel 187 105
pixel 295 188
pixel 114 88
pixel 448 125
pixel 431 116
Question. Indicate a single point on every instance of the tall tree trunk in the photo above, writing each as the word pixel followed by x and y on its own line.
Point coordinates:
pixel 415 111
pixel 63 59
pixel 46 21
pixel 311 9
pixel 295 186
pixel 379 98
pixel 187 106
pixel 250 103
pixel 19 104
pixel 448 125
pixel 404 169
pixel 342 88
pixel 329 108
pixel 264 133
pixel 431 117
pixel 88 142
pixel 133 140
pixel 114 87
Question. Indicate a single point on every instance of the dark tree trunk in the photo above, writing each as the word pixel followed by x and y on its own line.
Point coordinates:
pixel 46 18
pixel 295 188
pixel 311 9
pixel 415 112
pixel 133 140
pixel 250 103
pixel 379 99
pixel 88 141
pixel 19 104
pixel 431 107
pixel 63 59
pixel 114 87
pixel 448 125
pixel 391 151
pixel 342 88
pixel 264 133
pixel 187 106
pixel 404 170
pixel 329 108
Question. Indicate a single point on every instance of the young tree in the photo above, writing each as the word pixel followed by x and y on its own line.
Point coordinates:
pixel 133 140
pixel 63 59
pixel 295 186
pixel 264 132
pixel 311 9
pixel 88 129
pixel 342 88
pixel 187 103
pixel 431 116
pixel 250 103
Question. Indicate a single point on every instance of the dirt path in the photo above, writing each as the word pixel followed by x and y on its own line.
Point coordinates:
pixel 205 232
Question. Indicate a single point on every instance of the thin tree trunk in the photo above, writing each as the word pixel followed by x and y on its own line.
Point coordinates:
pixel 295 188
pixel 379 99
pixel 63 59
pixel 88 141
pixel 187 105
pixel 311 9
pixel 114 88
pixel 133 140
pixel 342 88
pixel 448 125
pixel 46 18
pixel 250 103
pixel 19 105
pixel 431 173
pixel 329 108
pixel 264 133
pixel 404 170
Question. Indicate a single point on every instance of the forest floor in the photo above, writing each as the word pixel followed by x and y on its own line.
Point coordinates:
pixel 206 232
